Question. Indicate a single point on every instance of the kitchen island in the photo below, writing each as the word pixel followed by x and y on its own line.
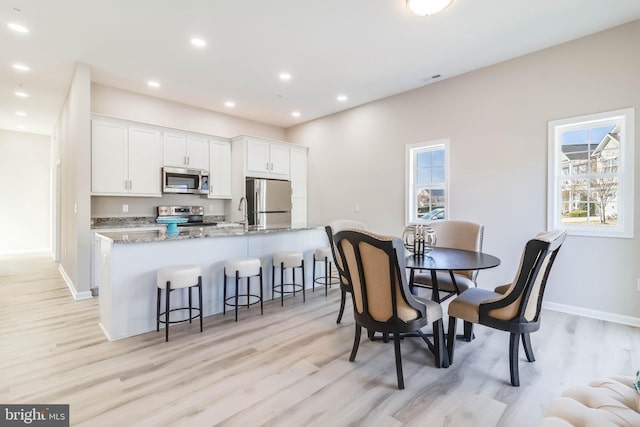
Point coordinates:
pixel 129 261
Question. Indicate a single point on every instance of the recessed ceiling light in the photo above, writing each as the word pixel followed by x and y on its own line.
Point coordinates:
pixel 296 114
pixel 20 67
pixel 153 83
pixel 197 42
pixel 21 114
pixel 230 104
pixel 21 94
pixel 341 98
pixel 22 127
pixel 285 76
pixel 17 27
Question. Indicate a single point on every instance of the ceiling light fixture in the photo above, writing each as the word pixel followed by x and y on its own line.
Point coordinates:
pixel 198 42
pixel 296 114
pixel 20 67
pixel 230 104
pixel 153 83
pixel 427 7
pixel 21 114
pixel 285 76
pixel 341 98
pixel 17 27
pixel 21 94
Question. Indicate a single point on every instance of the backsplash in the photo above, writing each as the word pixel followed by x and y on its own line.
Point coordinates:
pixel 139 207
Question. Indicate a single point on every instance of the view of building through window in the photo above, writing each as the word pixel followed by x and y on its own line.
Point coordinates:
pixel 427 182
pixel 591 174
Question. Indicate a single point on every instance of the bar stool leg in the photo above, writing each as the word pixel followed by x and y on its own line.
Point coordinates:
pixel 248 289
pixel 273 281
pixel 293 275
pixel 236 298
pixel 158 311
pixel 200 299
pixel 281 284
pixel 190 305
pixel 327 272
pixel 166 313
pixel 304 295
pixel 313 285
pixel 224 293
pixel 261 299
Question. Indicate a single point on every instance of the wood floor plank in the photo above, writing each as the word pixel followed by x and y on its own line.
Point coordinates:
pixel 288 367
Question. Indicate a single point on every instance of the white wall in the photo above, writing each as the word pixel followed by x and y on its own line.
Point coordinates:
pixel 73 135
pixel 25 190
pixel 496 120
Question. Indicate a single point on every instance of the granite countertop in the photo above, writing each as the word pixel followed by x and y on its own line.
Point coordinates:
pixel 147 236
pixel 138 222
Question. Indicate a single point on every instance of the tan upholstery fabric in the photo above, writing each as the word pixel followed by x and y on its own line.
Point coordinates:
pixel 444 281
pixel 466 305
pixel 339 225
pixel 459 235
pixel 376 275
pixel 605 402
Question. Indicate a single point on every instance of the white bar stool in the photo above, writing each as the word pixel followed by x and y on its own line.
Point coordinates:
pixel 328 279
pixel 178 277
pixel 242 268
pixel 286 260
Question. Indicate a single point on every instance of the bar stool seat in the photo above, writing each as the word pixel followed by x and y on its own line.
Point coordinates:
pixel 186 276
pixel 285 260
pixel 327 279
pixel 239 268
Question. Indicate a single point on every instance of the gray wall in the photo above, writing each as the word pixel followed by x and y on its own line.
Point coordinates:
pixel 496 120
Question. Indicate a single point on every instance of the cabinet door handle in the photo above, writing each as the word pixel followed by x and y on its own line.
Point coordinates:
pixel 271 167
pixel 126 184
pixel 188 160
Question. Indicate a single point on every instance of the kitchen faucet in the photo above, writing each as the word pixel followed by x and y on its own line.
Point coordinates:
pixel 243 207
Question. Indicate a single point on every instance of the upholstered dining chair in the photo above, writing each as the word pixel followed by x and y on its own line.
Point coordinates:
pixel 374 267
pixel 457 235
pixel 331 229
pixel 515 307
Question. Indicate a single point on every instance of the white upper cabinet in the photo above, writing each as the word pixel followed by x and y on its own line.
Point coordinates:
pixel 266 159
pixel 220 170
pixel 125 159
pixel 184 150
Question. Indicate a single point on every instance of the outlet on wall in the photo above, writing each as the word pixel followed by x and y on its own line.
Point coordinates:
pixel 125 208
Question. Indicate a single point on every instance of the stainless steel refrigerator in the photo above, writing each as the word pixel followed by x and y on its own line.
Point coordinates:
pixel 268 202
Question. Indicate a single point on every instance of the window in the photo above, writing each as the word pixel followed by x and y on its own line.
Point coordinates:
pixel 426 176
pixel 591 174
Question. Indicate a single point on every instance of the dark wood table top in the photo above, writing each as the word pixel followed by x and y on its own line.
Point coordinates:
pixel 452 259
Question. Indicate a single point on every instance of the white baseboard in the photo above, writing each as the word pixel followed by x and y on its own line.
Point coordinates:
pixel 594 314
pixel 104 331
pixel 74 292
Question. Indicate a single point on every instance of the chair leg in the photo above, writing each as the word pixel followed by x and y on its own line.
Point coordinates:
pixel 273 281
pixel 442 359
pixel 451 338
pixel 313 285
pixel 396 346
pixel 528 349
pixel 304 295
pixel 327 271
pixel 190 305
pixel 281 284
pixel 356 343
pixel 514 339
pixel 468 331
pixel 224 294
pixel 343 300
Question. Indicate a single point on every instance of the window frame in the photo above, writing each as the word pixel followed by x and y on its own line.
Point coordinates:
pixel 625 201
pixel 410 177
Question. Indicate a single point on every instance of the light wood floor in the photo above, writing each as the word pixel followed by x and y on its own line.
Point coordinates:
pixel 287 368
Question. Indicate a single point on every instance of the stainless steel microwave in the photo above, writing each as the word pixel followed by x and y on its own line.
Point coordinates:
pixel 186 181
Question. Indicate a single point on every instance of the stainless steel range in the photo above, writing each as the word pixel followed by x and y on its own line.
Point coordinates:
pixel 193 214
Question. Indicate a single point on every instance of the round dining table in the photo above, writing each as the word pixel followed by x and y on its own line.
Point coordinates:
pixel 448 259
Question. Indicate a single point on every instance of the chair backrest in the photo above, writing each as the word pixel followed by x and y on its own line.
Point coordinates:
pixel 335 227
pixel 523 300
pixel 374 266
pixel 459 235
